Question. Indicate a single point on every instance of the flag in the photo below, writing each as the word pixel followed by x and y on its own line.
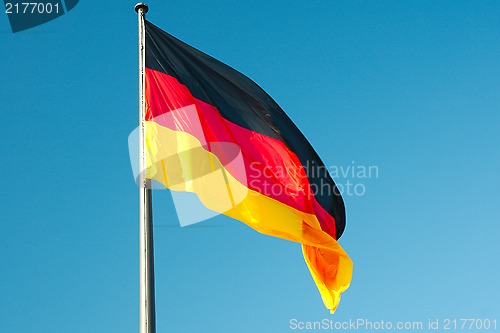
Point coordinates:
pixel 212 131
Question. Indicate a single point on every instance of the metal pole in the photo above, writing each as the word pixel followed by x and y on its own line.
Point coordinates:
pixel 147 321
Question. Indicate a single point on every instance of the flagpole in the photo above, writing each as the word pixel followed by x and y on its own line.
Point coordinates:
pixel 147 319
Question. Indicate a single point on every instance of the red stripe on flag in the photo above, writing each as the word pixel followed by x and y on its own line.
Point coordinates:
pixel 271 168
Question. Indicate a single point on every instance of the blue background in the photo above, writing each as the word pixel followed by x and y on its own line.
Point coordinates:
pixel 411 87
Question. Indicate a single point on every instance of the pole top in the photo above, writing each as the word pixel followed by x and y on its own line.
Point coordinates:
pixel 143 6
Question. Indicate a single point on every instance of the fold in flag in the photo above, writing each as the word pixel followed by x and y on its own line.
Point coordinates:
pixel 200 114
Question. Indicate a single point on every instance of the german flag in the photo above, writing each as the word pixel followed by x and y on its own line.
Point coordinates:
pixel 200 113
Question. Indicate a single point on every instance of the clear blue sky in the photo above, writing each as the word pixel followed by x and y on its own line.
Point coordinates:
pixel 411 87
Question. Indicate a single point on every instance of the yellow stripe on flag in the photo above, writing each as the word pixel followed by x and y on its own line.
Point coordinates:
pixel 191 168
